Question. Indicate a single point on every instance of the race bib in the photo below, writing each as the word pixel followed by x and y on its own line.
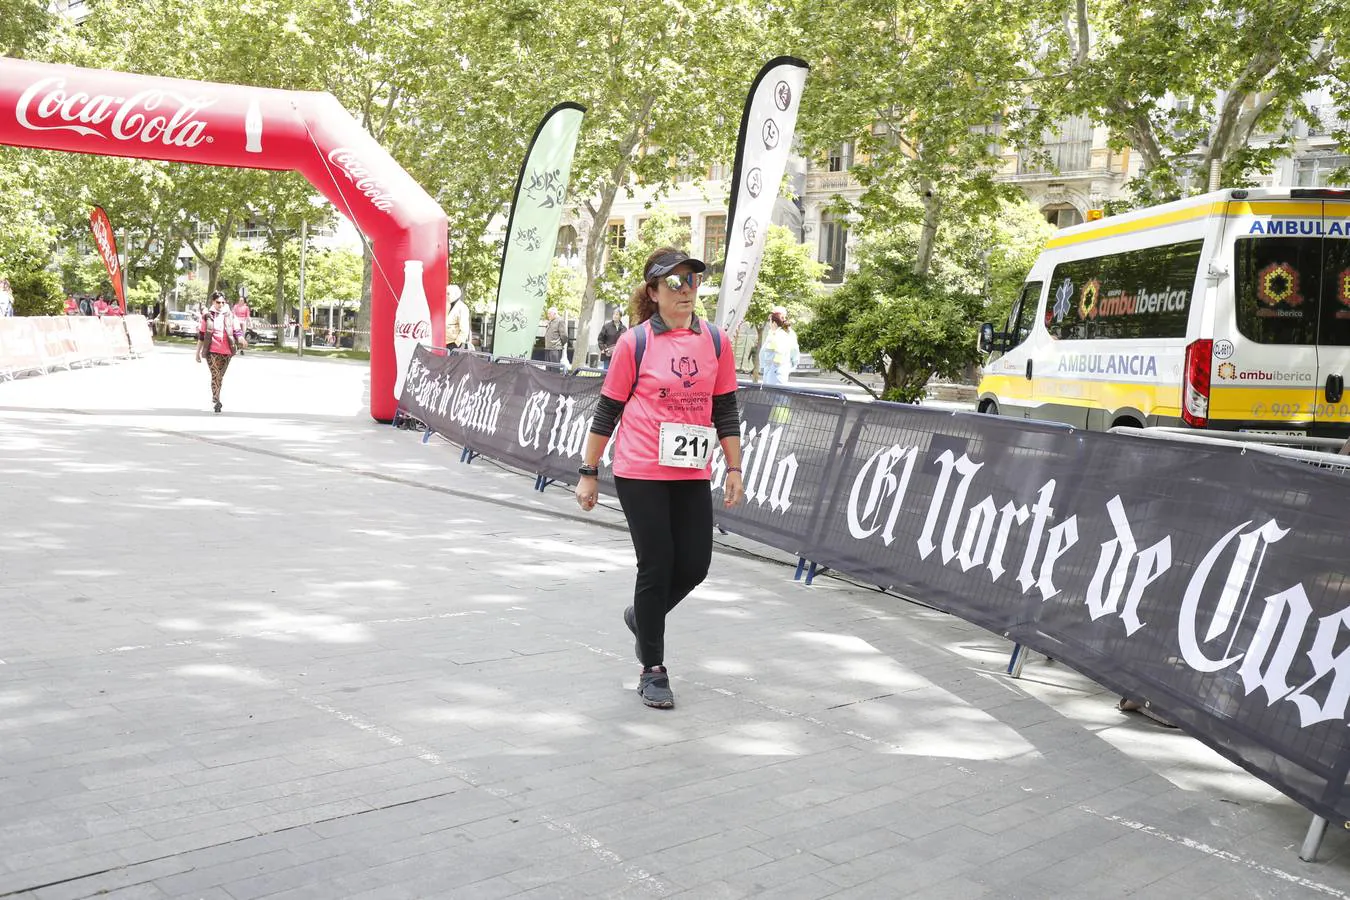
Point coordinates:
pixel 686 446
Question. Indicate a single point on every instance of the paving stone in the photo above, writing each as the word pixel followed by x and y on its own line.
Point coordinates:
pixel 421 687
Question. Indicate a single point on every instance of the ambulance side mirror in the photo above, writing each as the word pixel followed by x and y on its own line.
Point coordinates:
pixel 986 342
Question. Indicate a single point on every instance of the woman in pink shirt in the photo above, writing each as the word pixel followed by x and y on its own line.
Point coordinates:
pixel 219 337
pixel 677 397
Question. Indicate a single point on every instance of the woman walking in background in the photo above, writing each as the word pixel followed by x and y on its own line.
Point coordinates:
pixel 778 357
pixel 219 337
pixel 673 379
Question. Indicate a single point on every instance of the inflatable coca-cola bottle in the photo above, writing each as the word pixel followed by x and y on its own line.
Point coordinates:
pixel 412 321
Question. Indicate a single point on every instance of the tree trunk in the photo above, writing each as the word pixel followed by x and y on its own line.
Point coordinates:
pixel 755 373
pixel 595 258
pixel 279 249
pixel 362 337
pixel 222 243
pixel 932 210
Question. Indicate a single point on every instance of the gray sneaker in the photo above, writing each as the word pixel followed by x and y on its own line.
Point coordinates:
pixel 630 619
pixel 655 689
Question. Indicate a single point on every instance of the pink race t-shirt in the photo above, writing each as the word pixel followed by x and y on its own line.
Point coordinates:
pixel 214 325
pixel 680 376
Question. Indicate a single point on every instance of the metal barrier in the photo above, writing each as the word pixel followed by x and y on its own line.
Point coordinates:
pixel 1296 447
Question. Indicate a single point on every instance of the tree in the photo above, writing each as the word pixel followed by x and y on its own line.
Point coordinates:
pixel 28 235
pixel 623 269
pixel 926 94
pixel 789 276
pixel 652 115
pixel 23 26
pixel 912 327
pixel 1240 68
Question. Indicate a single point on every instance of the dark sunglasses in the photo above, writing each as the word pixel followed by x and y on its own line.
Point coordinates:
pixel 675 282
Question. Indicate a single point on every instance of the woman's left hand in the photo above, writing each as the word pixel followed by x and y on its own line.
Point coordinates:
pixel 734 490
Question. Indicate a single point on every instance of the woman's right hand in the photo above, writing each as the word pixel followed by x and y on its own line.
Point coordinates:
pixel 588 492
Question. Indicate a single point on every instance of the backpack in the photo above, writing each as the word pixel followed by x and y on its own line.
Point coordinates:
pixel 641 348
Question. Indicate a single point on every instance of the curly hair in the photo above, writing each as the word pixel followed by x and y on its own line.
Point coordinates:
pixel 642 305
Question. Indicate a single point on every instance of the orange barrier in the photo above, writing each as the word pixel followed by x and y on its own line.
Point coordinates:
pixel 140 335
pixel 42 343
pixel 115 333
pixel 57 341
pixel 20 348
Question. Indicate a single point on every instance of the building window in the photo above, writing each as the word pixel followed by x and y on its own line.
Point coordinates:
pixel 616 236
pixel 1062 216
pixel 1320 171
pixel 841 158
pixel 567 242
pixel 719 172
pixel 1067 148
pixel 715 241
pixel 833 248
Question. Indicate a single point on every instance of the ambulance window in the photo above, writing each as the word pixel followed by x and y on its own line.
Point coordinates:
pixel 1336 293
pixel 1137 294
pixel 1023 313
pixel 1277 287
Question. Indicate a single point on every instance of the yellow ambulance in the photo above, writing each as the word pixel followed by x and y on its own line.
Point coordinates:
pixel 1229 310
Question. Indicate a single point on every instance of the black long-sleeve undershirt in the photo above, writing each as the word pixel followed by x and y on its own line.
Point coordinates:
pixel 726 415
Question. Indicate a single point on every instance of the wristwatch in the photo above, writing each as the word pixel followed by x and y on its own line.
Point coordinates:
pixel 589 471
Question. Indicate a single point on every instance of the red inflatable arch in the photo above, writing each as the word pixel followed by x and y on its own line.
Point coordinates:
pixel 116 114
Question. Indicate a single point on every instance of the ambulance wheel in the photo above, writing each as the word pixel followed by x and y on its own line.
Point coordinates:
pixel 1127 423
pixel 989 407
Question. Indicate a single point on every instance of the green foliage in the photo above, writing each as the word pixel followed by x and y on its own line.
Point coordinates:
pixel 1243 67
pixel 623 271
pixel 37 292
pixel 789 276
pixel 907 326
pixel 146 292
pixel 565 285
pixel 331 276
pixel 912 327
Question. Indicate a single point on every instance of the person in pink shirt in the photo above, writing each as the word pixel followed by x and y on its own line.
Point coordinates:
pixel 219 338
pixel 678 401
pixel 100 306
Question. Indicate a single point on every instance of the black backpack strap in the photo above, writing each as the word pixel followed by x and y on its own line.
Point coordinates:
pixel 641 338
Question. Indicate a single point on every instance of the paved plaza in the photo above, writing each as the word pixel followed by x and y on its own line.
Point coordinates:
pixel 286 652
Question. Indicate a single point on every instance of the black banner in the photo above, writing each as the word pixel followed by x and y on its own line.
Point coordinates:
pixel 1208 580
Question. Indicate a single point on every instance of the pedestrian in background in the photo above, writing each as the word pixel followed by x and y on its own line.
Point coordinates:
pixel 555 336
pixel 780 353
pixel 678 402
pixel 6 299
pixel 241 310
pixel 609 336
pixel 458 328
pixel 219 338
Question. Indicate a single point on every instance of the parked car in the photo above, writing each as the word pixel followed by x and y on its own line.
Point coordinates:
pixel 260 330
pixel 806 364
pixel 183 324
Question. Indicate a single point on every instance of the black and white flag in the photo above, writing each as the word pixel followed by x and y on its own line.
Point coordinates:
pixel 767 129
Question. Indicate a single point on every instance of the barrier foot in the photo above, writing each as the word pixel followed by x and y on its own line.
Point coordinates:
pixel 814 571
pixel 1017 660
pixel 542 483
pixel 426 435
pixel 1317 829
pixel 801 565
pixel 467 455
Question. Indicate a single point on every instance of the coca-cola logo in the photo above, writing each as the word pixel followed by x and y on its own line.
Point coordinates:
pixel 151 116
pixel 412 331
pixel 365 180
pixel 105 245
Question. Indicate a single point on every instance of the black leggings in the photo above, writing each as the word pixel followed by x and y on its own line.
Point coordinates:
pixel 671 524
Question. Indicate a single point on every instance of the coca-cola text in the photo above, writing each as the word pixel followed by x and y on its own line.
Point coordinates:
pixel 413 331
pixel 48 106
pixel 365 181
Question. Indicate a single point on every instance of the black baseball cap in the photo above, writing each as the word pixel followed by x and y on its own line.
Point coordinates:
pixel 664 264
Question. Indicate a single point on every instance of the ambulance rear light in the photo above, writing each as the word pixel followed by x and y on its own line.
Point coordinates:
pixel 1195 385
